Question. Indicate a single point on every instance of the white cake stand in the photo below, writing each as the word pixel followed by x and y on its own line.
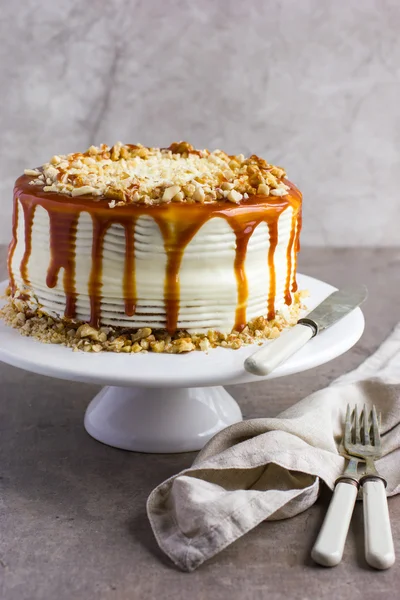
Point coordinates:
pixel 169 403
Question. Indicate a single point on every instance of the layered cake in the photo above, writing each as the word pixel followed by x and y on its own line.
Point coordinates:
pixel 132 248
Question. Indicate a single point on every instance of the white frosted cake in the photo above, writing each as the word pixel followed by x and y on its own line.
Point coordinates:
pixel 183 248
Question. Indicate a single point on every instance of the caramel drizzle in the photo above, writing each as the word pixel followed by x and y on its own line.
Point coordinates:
pixel 13 244
pixel 178 225
pixel 100 227
pixel 63 256
pixel 273 241
pixel 288 295
pixel 129 272
pixel 241 278
pixel 175 242
pixel 297 246
pixel 29 211
pixel 242 241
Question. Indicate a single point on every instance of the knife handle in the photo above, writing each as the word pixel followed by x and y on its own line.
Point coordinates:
pixel 328 549
pixel 379 549
pixel 264 361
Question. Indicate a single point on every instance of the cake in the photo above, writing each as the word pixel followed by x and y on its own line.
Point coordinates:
pixel 132 248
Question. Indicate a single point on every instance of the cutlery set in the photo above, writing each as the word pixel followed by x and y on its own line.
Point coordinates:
pixel 361 443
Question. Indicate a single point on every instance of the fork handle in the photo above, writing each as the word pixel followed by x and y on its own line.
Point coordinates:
pixel 328 549
pixel 379 549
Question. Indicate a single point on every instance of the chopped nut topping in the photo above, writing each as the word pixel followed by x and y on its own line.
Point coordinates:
pixel 136 174
pixel 234 196
pixel 82 336
pixel 32 172
pixel 263 188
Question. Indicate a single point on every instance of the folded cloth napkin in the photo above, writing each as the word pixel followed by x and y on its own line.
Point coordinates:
pixel 272 468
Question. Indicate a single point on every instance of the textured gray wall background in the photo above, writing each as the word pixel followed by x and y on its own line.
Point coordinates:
pixel 313 85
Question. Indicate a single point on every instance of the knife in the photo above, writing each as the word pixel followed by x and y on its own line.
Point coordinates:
pixel 336 306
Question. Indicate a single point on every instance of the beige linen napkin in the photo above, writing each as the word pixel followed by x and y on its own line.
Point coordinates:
pixel 271 468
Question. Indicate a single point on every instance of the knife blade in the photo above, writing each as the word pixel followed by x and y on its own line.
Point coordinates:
pixel 331 310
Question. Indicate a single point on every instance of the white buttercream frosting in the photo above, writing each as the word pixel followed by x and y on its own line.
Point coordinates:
pixel 208 285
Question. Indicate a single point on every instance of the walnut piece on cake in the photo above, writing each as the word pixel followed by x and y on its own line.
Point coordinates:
pixel 136 174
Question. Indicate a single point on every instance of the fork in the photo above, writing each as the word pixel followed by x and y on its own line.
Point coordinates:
pixel 363 440
pixel 329 546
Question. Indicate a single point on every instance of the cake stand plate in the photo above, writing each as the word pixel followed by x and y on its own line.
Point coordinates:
pixel 168 402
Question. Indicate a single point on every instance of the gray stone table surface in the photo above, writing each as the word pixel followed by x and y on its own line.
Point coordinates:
pixel 72 511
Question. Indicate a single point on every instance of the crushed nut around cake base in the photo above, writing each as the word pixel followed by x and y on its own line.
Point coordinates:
pixel 81 336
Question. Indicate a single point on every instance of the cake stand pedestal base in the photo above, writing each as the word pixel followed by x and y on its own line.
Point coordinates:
pixel 160 420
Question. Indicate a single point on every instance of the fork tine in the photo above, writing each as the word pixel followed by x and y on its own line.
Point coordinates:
pixel 357 425
pixel 366 438
pixel 347 427
pixel 375 427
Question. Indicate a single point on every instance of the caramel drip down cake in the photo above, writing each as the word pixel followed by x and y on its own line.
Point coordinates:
pixel 133 249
